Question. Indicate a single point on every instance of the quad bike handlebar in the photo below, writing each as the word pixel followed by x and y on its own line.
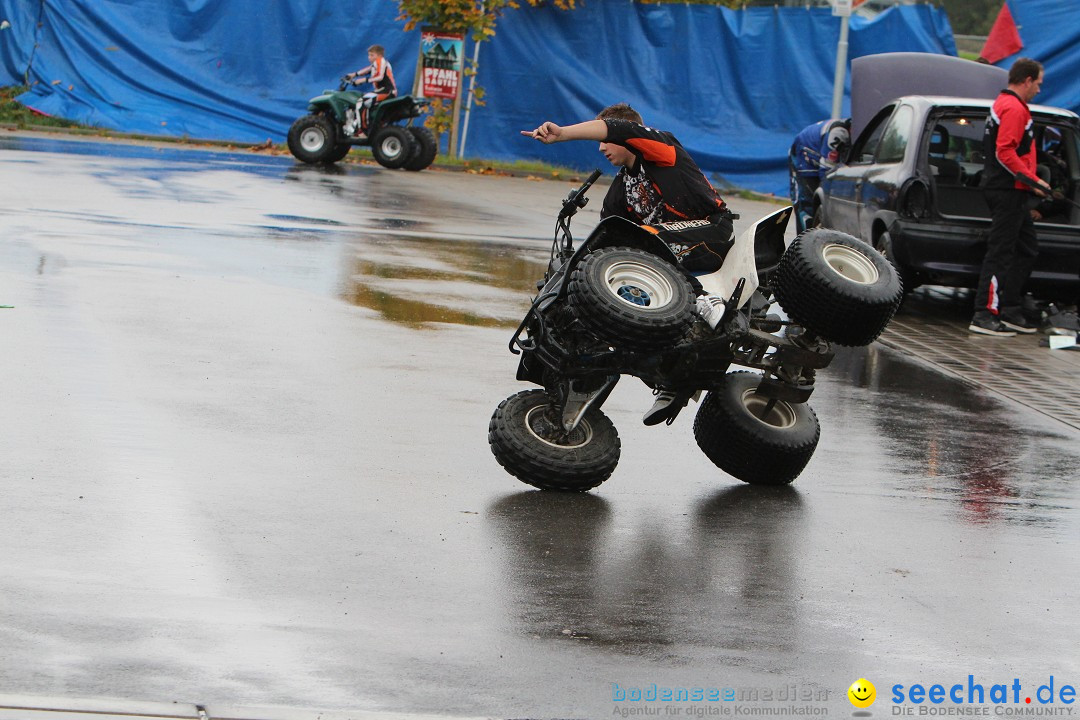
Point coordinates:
pixel 576 199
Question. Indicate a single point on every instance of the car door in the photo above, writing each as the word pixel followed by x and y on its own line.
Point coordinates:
pixel 882 178
pixel 842 187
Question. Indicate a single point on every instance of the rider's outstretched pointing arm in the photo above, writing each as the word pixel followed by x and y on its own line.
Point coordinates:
pixel 549 132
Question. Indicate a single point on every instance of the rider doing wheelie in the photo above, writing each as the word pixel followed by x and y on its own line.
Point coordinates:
pixel 660 186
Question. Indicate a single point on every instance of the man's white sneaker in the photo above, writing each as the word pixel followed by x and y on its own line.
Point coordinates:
pixel 711 309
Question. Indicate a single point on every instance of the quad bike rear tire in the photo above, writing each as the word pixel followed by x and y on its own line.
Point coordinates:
pixel 340 151
pixel 751 440
pixel 312 139
pixel 392 146
pixel 425 148
pixel 536 451
pixel 631 298
pixel 838 287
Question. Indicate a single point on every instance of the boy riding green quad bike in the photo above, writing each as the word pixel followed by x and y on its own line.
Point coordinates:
pixel 321 137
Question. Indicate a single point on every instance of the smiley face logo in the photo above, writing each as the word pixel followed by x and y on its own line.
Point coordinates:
pixel 862 693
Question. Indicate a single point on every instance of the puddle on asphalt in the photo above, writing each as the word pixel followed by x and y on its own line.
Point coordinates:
pixel 420 281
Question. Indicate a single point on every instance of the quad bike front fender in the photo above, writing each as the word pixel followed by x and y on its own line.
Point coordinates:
pixel 333 104
pixel 618 231
pixel 615 232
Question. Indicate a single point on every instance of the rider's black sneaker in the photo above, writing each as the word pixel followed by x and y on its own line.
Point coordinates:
pixel 662 409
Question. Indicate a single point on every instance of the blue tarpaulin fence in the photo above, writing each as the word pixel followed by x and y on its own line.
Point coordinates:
pixel 734 86
pixel 1051 34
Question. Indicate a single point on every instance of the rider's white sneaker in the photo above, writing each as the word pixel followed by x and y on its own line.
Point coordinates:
pixel 661 409
pixel 711 309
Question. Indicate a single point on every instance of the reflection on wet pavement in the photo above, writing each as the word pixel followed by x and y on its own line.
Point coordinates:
pixel 932 326
pixel 724 582
pixel 953 442
pixel 416 281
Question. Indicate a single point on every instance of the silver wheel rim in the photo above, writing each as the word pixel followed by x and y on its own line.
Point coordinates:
pixel 851 264
pixel 391 147
pixel 312 139
pixel 581 436
pixel 780 415
pixel 638 284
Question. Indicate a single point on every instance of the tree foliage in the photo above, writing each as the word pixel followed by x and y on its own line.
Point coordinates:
pixel 474 17
pixel 973 17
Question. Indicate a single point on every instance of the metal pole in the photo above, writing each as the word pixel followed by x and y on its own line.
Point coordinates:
pixel 841 66
pixel 468 101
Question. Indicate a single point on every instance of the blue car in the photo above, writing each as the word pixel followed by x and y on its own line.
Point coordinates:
pixel 910 187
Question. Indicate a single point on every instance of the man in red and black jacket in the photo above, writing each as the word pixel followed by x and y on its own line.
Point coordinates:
pixel 657 183
pixel 1009 179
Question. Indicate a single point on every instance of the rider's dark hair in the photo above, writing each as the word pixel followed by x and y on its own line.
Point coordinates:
pixel 1023 69
pixel 620 111
pixel 377 49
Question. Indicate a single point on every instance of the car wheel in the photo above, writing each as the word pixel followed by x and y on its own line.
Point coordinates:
pixel 838 287
pixel 311 139
pixel 884 245
pixel 535 449
pixel 631 298
pixel 392 146
pixel 753 438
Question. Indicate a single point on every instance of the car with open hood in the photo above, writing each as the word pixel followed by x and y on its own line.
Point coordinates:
pixel 910 185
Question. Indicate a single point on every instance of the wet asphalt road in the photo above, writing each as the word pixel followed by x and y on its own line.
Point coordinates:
pixel 245 462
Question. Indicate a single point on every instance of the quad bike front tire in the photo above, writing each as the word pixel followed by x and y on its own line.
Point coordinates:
pixel 631 298
pixel 536 451
pixel 425 148
pixel 753 438
pixel 838 287
pixel 312 139
pixel 392 146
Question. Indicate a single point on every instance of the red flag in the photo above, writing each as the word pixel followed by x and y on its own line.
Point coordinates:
pixel 1004 39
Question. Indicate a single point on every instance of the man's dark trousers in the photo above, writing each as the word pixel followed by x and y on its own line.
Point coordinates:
pixel 1011 249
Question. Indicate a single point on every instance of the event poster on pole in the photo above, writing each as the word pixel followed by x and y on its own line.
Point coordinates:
pixel 441 63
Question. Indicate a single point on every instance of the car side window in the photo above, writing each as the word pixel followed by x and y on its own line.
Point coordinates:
pixel 894 138
pixel 866 147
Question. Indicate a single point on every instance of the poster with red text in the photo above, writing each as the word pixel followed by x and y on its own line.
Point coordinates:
pixel 441 63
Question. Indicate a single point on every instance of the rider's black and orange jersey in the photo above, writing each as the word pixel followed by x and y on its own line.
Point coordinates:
pixel 382 77
pixel 664 185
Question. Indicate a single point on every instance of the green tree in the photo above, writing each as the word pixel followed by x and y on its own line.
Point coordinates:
pixel 475 18
pixel 972 17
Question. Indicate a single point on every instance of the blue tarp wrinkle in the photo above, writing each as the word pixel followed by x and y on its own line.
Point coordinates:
pixel 735 86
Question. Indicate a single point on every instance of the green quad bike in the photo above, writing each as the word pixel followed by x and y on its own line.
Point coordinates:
pixel 319 136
